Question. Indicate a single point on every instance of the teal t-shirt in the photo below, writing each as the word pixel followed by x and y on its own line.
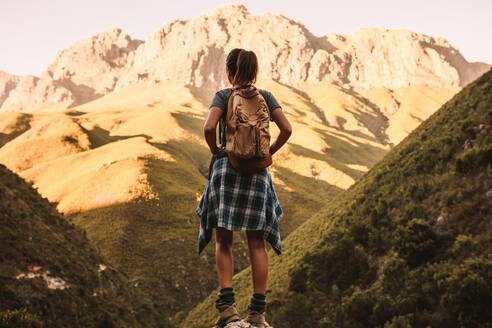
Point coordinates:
pixel 221 99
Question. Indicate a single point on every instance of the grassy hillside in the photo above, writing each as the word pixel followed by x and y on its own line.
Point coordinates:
pixel 129 169
pixel 417 103
pixel 408 245
pixel 50 275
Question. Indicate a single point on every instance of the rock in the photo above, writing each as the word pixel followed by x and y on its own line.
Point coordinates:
pixel 8 82
pixel 194 51
pixel 243 324
pixel 51 282
pixel 489 193
pixel 468 144
pixel 477 129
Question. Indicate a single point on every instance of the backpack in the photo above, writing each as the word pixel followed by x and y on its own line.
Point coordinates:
pixel 247 130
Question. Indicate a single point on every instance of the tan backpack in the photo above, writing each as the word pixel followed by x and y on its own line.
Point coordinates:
pixel 247 130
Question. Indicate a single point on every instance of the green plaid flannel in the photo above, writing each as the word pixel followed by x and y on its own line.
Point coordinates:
pixel 239 202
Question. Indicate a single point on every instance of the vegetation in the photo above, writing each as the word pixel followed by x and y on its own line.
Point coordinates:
pixel 128 168
pixel 411 247
pixel 19 319
pixel 50 275
pixel 408 245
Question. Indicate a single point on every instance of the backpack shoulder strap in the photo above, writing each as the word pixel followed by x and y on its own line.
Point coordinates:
pixel 223 120
pixel 266 103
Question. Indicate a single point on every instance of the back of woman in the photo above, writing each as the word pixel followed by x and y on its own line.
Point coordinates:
pixel 239 195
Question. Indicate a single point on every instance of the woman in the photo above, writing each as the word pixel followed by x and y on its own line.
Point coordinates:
pixel 232 201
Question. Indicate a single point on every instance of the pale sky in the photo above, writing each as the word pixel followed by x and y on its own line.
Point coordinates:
pixel 33 31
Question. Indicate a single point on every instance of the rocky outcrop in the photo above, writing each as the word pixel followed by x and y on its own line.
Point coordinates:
pixel 91 67
pixel 8 82
pixel 194 51
pixel 243 324
pixel 82 72
pixel 32 91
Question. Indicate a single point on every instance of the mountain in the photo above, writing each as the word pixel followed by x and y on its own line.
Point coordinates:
pixel 407 245
pixel 84 71
pixel 52 276
pixel 193 51
pixel 124 157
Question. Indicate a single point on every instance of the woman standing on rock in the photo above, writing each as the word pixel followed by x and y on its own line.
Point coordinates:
pixel 240 194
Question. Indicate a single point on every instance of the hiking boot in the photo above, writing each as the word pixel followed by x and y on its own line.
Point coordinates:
pixel 227 314
pixel 256 319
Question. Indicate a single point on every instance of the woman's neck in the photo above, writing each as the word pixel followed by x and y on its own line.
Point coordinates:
pixel 234 86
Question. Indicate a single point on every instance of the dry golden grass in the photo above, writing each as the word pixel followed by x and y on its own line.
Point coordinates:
pixel 107 175
pixel 142 96
pixel 331 125
pixel 13 124
pixel 416 104
pixel 334 132
pixel 50 136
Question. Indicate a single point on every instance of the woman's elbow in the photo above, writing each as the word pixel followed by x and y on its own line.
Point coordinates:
pixel 287 131
pixel 208 129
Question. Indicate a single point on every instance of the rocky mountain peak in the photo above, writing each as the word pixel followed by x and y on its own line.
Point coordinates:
pixel 228 10
pixel 194 51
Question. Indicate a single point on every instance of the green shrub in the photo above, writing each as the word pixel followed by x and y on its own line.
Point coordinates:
pixel 467 292
pixel 294 311
pixel 358 309
pixel 340 262
pixel 415 242
pixel 474 158
pixel 405 321
pixel 298 279
pixel 19 319
pixel 395 271
pixel 466 245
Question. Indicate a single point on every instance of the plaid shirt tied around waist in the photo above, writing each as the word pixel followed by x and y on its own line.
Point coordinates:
pixel 239 202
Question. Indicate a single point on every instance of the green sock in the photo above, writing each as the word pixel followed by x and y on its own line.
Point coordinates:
pixel 226 296
pixel 258 303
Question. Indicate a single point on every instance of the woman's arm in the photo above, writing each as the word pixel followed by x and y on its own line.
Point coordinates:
pixel 210 127
pixel 285 129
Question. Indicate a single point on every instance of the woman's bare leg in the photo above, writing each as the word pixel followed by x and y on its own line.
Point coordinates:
pixel 223 257
pixel 259 261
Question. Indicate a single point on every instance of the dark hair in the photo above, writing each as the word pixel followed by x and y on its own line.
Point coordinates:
pixel 243 66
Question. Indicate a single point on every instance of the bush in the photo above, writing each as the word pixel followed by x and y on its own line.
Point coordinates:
pixel 473 159
pixel 19 319
pixel 395 271
pixel 404 321
pixel 340 263
pixel 467 292
pixel 415 242
pixel 295 312
pixel 466 245
pixel 358 308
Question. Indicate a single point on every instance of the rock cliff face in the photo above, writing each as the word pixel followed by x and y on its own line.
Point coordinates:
pixel 80 73
pixel 8 82
pixel 194 51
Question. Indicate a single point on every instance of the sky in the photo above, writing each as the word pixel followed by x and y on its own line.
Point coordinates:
pixel 33 31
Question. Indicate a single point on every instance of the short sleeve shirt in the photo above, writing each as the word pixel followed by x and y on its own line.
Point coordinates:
pixel 221 99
